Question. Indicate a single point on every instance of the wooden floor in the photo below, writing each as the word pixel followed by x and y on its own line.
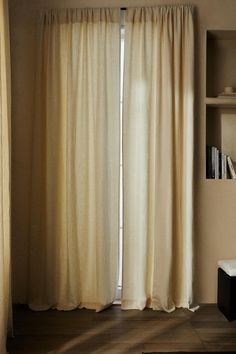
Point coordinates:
pixel 114 331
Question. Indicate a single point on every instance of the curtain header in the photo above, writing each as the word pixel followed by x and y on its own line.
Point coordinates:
pixel 154 14
pixel 79 15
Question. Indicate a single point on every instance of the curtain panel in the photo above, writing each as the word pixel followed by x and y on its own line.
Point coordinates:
pixel 75 177
pixel 158 157
pixel 5 111
pixel 75 183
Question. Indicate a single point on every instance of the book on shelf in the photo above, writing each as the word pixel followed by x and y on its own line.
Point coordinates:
pixel 217 175
pixel 231 168
pixel 209 167
pixel 218 164
pixel 212 162
pixel 223 166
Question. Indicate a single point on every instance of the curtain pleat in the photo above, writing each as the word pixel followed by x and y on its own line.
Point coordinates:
pixel 5 111
pixel 158 158
pixel 74 219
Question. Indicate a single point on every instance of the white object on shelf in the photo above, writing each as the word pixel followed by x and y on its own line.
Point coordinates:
pixel 228 89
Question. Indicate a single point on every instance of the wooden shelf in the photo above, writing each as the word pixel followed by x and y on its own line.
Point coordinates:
pixel 221 34
pixel 221 102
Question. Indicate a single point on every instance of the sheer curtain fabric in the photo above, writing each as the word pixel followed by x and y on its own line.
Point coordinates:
pixel 158 158
pixel 5 293
pixel 75 184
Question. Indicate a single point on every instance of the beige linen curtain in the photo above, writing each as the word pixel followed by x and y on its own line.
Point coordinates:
pixel 5 298
pixel 74 221
pixel 158 158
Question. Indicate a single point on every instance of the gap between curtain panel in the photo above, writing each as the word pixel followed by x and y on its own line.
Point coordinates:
pixel 74 220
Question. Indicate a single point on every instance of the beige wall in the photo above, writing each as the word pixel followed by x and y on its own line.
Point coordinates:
pixel 215 201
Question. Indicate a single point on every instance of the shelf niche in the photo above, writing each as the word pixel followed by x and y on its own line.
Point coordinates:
pixel 220 73
pixel 221 59
pixel 221 130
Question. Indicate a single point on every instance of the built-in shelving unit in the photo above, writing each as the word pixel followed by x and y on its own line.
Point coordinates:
pixel 220 111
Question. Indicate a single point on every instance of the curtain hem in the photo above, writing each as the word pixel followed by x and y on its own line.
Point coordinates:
pixel 155 305
pixel 62 307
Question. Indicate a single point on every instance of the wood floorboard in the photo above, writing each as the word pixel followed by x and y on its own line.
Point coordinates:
pixel 120 332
